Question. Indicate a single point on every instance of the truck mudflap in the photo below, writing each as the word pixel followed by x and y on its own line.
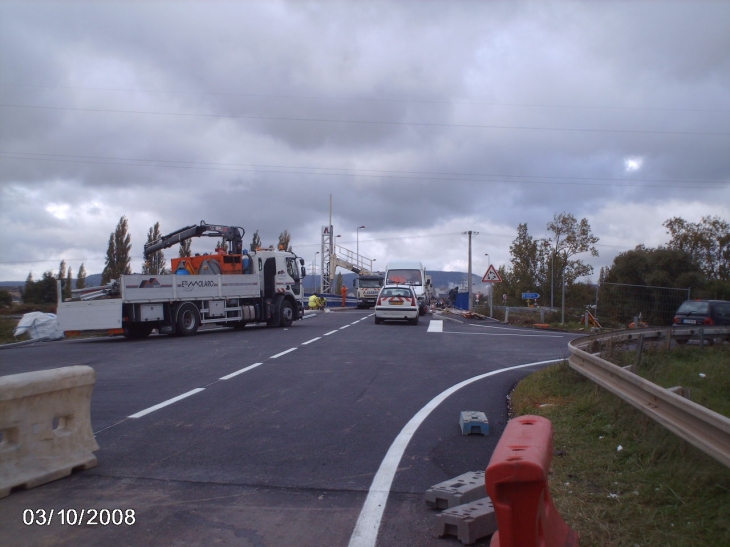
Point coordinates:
pixel 300 309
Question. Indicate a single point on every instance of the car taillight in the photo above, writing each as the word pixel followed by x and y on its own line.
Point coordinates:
pixel 708 321
pixel 413 301
pixel 676 319
pixel 380 300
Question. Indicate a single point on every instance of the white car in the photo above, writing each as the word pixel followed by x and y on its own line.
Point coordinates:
pixel 397 302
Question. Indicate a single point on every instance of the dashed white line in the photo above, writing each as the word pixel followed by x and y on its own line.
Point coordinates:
pixel 282 353
pixel 330 332
pixel 228 377
pixel 168 402
pixel 344 327
pixel 312 340
pixel 366 529
pixel 436 325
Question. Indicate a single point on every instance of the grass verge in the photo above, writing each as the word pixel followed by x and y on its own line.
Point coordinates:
pixel 7 326
pixel 656 490
pixel 9 317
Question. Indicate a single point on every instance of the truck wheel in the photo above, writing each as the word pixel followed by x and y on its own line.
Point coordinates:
pixel 286 313
pixel 188 320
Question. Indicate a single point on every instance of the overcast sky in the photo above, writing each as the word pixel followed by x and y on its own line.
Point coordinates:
pixel 422 119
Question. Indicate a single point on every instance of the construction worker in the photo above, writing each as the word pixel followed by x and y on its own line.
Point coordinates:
pixel 317 302
pixel 344 296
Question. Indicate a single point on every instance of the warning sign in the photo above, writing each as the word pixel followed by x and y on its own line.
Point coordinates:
pixel 491 276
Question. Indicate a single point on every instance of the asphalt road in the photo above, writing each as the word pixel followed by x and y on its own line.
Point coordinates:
pixel 284 452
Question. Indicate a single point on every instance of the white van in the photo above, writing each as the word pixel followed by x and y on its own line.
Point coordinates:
pixel 411 272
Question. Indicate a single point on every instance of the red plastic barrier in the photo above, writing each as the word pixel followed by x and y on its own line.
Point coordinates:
pixel 517 482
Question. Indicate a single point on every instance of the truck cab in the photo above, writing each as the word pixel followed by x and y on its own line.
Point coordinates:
pixel 367 288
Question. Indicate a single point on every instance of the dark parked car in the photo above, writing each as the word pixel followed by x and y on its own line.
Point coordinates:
pixel 703 312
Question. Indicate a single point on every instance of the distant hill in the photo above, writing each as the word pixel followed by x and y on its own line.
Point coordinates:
pixel 93 280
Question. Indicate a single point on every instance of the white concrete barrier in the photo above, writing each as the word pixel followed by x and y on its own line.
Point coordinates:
pixel 45 426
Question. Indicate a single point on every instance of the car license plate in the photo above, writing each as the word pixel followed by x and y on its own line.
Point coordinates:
pixel 689 321
pixel 396 303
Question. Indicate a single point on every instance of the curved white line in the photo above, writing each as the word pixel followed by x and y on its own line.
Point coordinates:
pixel 366 529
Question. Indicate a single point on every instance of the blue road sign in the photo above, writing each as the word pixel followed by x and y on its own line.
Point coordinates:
pixel 530 295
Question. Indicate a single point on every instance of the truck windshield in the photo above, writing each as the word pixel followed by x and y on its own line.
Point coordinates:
pixel 370 283
pixel 410 277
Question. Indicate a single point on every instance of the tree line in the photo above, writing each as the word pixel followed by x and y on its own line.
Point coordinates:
pixel 696 257
pixel 118 262
pixel 542 265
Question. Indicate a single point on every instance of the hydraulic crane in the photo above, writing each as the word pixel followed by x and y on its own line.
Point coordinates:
pixel 221 262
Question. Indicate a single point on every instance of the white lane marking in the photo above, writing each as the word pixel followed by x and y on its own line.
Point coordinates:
pixel 312 340
pixel 309 316
pixel 508 334
pixel 518 329
pixel 330 332
pixel 344 327
pixel 436 325
pixel 168 402
pixel 282 353
pixel 229 376
pixel 365 533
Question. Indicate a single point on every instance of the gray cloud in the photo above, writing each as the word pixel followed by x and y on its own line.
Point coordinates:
pixel 421 119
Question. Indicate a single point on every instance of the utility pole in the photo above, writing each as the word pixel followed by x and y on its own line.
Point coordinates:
pixel 468 281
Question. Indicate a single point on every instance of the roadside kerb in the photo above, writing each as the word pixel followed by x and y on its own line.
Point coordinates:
pixel 705 429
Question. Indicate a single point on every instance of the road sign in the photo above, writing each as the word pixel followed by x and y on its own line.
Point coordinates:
pixel 491 276
pixel 530 295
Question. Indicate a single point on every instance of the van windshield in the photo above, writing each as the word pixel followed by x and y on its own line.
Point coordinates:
pixel 409 277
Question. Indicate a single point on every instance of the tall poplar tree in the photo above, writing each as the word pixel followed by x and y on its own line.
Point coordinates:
pixel 154 264
pixel 185 250
pixel 118 253
pixel 67 287
pixel 256 241
pixel 285 241
pixel 81 280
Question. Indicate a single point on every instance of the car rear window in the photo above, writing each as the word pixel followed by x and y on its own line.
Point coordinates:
pixel 405 293
pixel 693 307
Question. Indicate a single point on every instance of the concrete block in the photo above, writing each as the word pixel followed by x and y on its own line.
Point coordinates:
pixel 457 491
pixel 469 522
pixel 472 421
pixel 45 426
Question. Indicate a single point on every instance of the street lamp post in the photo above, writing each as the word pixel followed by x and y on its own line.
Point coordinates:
pixel 314 267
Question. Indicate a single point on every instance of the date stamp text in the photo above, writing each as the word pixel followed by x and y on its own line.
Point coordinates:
pixel 79 517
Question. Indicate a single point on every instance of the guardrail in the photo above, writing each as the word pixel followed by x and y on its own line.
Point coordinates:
pixel 703 428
